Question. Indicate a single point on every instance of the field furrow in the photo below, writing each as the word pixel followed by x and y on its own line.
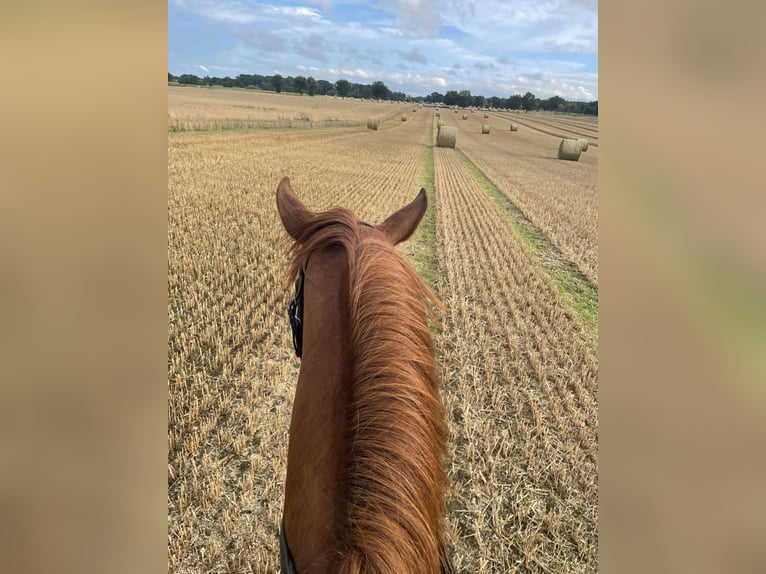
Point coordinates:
pixel 520 385
pixel 558 197
pixel 519 368
pixel 231 368
pixel 554 125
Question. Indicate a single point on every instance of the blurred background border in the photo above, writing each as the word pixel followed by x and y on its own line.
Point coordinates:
pixel 83 309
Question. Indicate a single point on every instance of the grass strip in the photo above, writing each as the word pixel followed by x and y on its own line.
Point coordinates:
pixel 425 236
pixel 567 278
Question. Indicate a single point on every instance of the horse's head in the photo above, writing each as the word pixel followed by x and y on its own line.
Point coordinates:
pixel 302 224
pixel 365 477
pixel 299 221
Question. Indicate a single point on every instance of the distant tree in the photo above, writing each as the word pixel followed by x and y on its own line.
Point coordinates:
pixel 311 85
pixel 343 87
pixel 435 98
pixel 379 90
pixel 451 98
pixel 189 79
pixel 553 104
pixel 244 80
pixel 362 91
pixel 464 98
pixel 496 102
pixel 277 81
pixel 324 87
pixel 171 77
pixel 300 83
pixel 516 102
pixel 479 101
pixel 530 101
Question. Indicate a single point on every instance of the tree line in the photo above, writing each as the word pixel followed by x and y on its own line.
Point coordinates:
pixel 378 90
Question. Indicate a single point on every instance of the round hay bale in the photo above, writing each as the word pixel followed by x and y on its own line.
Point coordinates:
pixel 465 116
pixel 569 149
pixel 485 129
pixel 438 115
pixel 583 144
pixel 514 128
pixel 373 123
pixel 446 137
pixel 486 115
pixel 404 118
pixel 455 111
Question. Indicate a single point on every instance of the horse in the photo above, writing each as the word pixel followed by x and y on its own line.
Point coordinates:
pixel 365 481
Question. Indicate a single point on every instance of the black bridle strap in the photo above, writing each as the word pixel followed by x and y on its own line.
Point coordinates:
pixel 295 310
pixel 285 557
pixel 295 313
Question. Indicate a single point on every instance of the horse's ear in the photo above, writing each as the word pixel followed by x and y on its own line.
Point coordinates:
pixel 404 222
pixel 295 216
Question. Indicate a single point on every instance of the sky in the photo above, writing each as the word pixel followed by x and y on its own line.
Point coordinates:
pixel 490 47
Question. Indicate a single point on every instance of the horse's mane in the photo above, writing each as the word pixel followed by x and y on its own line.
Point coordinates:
pixel 395 478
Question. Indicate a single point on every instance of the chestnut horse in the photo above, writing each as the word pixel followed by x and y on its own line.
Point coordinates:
pixel 365 481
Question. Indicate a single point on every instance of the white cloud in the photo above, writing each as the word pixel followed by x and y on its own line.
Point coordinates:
pixel 203 68
pixel 488 49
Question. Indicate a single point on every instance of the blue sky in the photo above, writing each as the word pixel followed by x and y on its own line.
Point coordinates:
pixel 491 47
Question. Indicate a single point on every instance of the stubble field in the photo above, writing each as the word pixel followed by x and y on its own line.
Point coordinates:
pixel 518 360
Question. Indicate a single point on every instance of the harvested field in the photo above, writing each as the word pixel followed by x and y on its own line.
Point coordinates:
pixel 518 365
pixel 521 392
pixel 558 197
pixel 557 125
pixel 206 109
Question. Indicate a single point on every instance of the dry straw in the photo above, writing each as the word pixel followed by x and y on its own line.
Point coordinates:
pixel 569 149
pixel 404 118
pixel 373 123
pixel 583 144
pixel 485 129
pixel 486 115
pixel 514 128
pixel 446 137
pixel 465 116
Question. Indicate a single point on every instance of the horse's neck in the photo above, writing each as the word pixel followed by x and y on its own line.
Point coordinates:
pixel 317 454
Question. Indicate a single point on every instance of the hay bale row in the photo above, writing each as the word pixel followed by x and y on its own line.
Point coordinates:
pixel 373 123
pixel 569 149
pixel 446 137
pixel 485 129
pixel 514 127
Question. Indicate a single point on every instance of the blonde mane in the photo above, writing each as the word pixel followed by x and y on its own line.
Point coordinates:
pixel 394 475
